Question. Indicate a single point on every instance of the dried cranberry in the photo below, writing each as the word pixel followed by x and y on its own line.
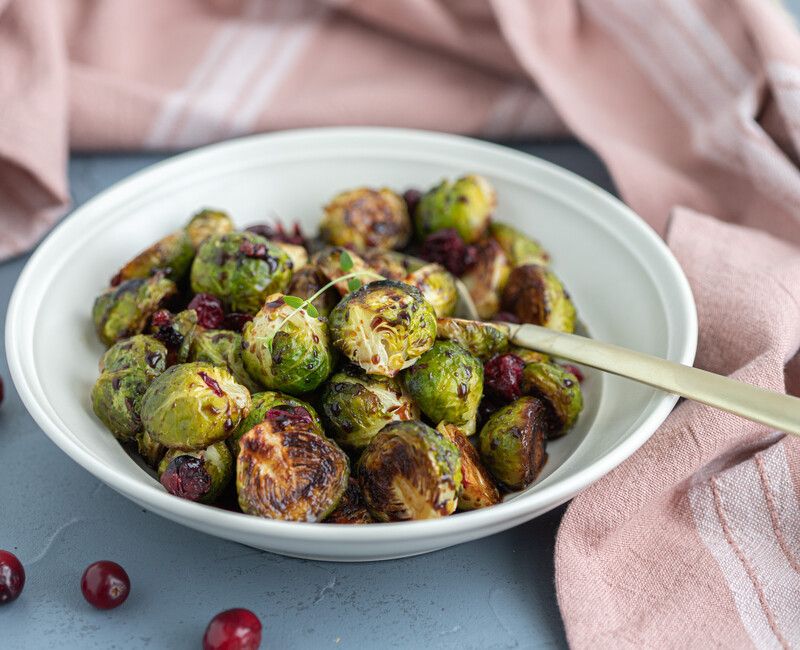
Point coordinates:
pixel 446 247
pixel 161 318
pixel 574 370
pixel 12 577
pixel 210 313
pixel 255 250
pixel 279 233
pixel 233 629
pixel 105 585
pixel 502 377
pixel 286 415
pixel 211 383
pixel 505 317
pixel 412 197
pixel 186 477
pixel 236 321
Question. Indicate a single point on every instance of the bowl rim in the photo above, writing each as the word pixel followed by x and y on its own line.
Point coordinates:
pixel 198 515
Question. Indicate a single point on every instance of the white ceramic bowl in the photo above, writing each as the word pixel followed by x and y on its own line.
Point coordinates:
pixel 627 286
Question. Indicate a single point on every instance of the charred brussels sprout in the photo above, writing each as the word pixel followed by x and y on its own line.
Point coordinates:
pixel 487 277
pixel 528 356
pixel 241 269
pixel 286 470
pixel 437 286
pixel 366 218
pixel 383 327
pixel 329 262
pixel 193 405
pixel 447 384
pixel 520 249
pixel 478 488
pixel 559 388
pixel 351 508
pixel 207 223
pixel 535 295
pixel 357 405
pixel 291 355
pixel 222 348
pixel 391 264
pixel 512 442
pixel 117 400
pixel 122 311
pixel 307 282
pixel 466 205
pixel 150 451
pixel 140 351
pixel 410 471
pixel 173 255
pixel 199 475
pixel 483 340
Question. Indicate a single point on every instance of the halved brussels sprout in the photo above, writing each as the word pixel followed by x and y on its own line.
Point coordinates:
pixel 173 255
pixel 290 355
pixel 447 384
pixel 391 264
pixel 466 205
pixel 520 249
pixel 139 351
pixel 351 508
pixel 223 348
pixel 559 388
pixel 535 295
pixel 207 223
pixel 122 311
pixel 483 340
pixel 117 400
pixel 512 442
pixel 193 405
pixel 528 355
pixel 478 488
pixel 410 471
pixel 437 286
pixel 199 475
pixel 176 331
pixel 307 282
pixel 286 470
pixel 383 327
pixel 241 269
pixel 298 255
pixel 357 405
pixel 366 218
pixel 150 451
pixel 486 278
pixel 329 262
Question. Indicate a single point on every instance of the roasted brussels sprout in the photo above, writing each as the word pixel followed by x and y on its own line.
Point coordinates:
pixel 207 223
pixel 298 256
pixel 410 471
pixel 138 351
pixel 559 388
pixel 465 205
pixel 391 264
pixel 176 332
pixel 483 340
pixel 478 488
pixel 487 277
pixel 173 255
pixel 291 355
pixel 117 400
pixel 351 508
pixel 193 405
pixel 223 348
pixel 241 269
pixel 383 327
pixel 528 355
pixel 357 405
pixel 150 451
pixel 512 442
pixel 286 470
pixel 437 286
pixel 199 475
pixel 122 311
pixel 535 295
pixel 520 249
pixel 447 384
pixel 329 262
pixel 307 282
pixel 366 218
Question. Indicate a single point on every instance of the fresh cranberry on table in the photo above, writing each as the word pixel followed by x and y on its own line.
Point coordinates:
pixel 502 377
pixel 446 247
pixel 105 584
pixel 233 629
pixel 12 577
pixel 210 313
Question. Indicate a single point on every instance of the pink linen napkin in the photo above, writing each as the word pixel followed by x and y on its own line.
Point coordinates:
pixel 694 105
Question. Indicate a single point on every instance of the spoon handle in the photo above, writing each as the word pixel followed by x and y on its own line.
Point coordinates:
pixel 776 410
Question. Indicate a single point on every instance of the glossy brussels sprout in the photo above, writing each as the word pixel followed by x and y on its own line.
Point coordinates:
pixel 150 451
pixel 437 286
pixel 176 331
pixel 483 340
pixel 140 351
pixel 329 262
pixel 122 311
pixel 383 327
pixel 559 388
pixel 241 269
pixel 391 264
pixel 117 400
pixel 286 470
pixel 366 218
pixel 486 278
pixel 410 471
pixel 207 223
pixel 357 405
pixel 466 205
pixel 447 384
pixel 290 355
pixel 527 355
pixel 351 508
pixel 535 295
pixel 307 282
pixel 520 249
pixel 222 348
pixel 512 442
pixel 199 475
pixel 193 405
pixel 173 255
pixel 298 256
pixel 478 488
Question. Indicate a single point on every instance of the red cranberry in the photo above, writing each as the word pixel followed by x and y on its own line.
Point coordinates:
pixel 505 317
pixel 284 415
pixel 233 629
pixel 236 321
pixel 446 247
pixel 161 318
pixel 186 477
pixel 502 377
pixel 12 577
pixel 279 233
pixel 105 585
pixel 412 198
pixel 574 370
pixel 210 313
